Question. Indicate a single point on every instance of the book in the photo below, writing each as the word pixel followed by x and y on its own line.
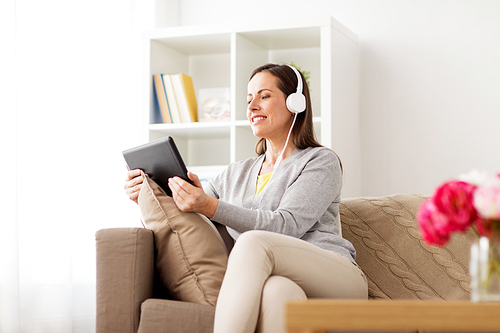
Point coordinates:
pixel 185 97
pixel 214 104
pixel 172 100
pixel 156 117
pixel 161 98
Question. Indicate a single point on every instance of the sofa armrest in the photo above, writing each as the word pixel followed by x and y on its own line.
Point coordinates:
pixel 125 275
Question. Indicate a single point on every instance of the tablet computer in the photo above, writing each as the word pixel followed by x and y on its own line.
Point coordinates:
pixel 159 159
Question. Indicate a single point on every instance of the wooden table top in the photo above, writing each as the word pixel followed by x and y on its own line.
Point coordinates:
pixel 318 315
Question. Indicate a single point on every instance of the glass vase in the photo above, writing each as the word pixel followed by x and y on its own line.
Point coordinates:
pixel 485 270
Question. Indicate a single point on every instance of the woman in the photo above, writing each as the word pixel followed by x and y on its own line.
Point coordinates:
pixel 281 207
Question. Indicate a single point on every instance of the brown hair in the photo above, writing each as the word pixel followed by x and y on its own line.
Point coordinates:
pixel 303 131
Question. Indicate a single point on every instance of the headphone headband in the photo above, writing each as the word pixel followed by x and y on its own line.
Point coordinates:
pixel 296 102
pixel 299 79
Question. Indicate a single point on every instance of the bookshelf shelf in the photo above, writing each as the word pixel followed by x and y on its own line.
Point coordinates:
pixel 192 130
pixel 225 55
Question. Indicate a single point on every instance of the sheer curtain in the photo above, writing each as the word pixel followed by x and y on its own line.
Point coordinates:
pixel 70 103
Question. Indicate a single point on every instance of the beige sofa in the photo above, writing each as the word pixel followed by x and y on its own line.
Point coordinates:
pixel 382 229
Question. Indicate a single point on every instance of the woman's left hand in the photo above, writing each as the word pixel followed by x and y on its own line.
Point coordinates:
pixel 189 198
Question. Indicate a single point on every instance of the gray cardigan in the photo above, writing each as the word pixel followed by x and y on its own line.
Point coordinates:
pixel 301 200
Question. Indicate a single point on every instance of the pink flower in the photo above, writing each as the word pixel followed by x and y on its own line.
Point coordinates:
pixel 454 199
pixel 434 225
pixel 487 200
pixel 473 201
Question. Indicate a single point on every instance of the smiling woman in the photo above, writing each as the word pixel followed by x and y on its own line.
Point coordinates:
pixel 281 208
pixel 260 273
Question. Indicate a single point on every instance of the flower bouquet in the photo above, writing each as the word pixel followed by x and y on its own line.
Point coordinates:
pixel 471 202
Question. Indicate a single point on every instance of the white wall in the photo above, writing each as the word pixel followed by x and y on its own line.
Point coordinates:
pixel 430 81
pixel 77 102
pixel 9 286
pixel 70 96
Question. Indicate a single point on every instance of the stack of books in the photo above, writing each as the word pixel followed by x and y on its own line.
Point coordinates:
pixel 176 98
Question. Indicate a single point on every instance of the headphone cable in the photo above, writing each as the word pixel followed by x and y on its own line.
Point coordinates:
pixel 278 161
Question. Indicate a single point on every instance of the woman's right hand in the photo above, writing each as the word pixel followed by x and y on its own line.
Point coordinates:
pixel 133 183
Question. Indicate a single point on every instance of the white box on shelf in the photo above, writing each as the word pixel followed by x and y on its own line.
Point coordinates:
pixel 214 104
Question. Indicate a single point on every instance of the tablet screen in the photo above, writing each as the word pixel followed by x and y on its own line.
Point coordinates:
pixel 159 159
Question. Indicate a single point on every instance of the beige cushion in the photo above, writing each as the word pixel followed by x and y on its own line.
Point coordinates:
pixel 165 316
pixel 391 252
pixel 191 255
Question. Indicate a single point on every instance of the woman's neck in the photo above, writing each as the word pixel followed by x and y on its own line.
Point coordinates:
pixel 273 152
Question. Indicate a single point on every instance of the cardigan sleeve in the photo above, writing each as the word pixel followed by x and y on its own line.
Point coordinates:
pixel 305 192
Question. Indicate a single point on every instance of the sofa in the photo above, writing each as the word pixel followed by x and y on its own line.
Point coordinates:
pixel 384 231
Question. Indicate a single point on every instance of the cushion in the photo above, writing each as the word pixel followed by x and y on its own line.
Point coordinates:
pixel 191 255
pixel 166 316
pixel 390 250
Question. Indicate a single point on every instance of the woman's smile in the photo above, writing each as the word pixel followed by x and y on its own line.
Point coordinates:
pixel 257 119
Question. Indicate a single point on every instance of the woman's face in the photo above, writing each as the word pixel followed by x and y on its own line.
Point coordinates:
pixel 267 111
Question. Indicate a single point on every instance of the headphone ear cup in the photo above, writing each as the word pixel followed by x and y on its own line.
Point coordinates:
pixel 296 103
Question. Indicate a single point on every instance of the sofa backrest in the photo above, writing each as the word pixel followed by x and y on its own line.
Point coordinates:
pixel 397 263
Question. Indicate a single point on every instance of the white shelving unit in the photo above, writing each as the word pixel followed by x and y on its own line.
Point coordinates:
pixel 225 56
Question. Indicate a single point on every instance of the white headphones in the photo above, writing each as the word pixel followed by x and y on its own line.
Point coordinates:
pixel 296 102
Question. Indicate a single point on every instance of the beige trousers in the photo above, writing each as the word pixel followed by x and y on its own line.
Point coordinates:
pixel 267 269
